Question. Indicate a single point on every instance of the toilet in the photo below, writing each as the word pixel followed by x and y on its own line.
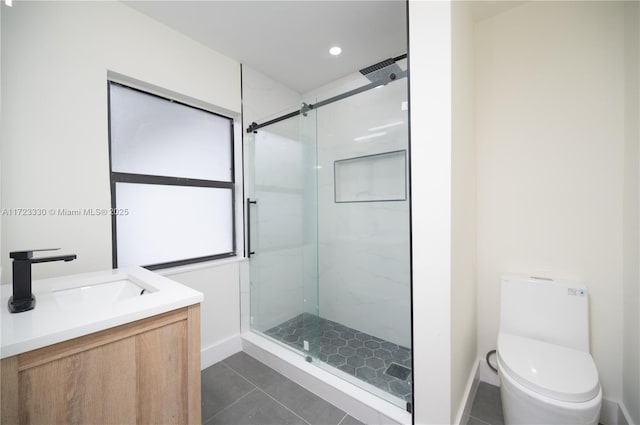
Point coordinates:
pixel 546 372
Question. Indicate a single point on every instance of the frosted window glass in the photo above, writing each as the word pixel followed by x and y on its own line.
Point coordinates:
pixel 172 223
pixel 370 178
pixel 154 136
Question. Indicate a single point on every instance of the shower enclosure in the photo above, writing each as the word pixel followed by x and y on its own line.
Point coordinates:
pixel 328 221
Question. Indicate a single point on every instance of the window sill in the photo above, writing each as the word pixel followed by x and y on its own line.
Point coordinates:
pixel 199 266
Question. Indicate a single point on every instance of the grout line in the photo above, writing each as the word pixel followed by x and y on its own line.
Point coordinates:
pixel 241 375
pixel 479 420
pixel 232 404
pixel 272 398
pixel 343 418
pixel 267 394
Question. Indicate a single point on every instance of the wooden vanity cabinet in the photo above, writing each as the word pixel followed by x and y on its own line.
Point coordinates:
pixel 143 372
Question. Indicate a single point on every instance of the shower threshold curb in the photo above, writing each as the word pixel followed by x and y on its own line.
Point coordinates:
pixel 357 402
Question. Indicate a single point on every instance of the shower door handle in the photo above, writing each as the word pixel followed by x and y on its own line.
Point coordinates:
pixel 249 202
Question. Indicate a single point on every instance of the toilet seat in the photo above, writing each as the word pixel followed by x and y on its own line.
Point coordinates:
pixel 554 371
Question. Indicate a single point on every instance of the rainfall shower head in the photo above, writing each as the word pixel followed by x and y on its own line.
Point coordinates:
pixel 382 72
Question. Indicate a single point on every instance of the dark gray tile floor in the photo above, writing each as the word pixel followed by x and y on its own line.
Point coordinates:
pixel 373 360
pixel 243 391
pixel 240 390
pixel 487 406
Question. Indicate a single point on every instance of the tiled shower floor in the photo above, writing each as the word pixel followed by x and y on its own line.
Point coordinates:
pixel 373 360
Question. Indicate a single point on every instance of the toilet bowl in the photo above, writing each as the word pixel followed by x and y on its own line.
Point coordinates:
pixel 546 372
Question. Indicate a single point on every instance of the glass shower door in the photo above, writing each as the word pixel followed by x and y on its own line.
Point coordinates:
pixel 283 239
pixel 330 277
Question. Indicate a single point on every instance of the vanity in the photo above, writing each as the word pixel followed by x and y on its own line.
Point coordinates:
pixel 114 347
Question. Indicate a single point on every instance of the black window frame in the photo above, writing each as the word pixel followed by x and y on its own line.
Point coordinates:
pixel 118 177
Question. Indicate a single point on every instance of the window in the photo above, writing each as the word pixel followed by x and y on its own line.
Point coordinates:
pixel 172 181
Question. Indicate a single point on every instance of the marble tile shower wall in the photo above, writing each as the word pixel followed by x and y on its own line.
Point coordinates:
pixel 364 253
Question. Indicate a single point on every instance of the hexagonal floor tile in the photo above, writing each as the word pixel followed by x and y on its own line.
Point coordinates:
pixel 364 352
pixel 399 388
pixel 366 373
pixel 336 360
pixel 338 342
pixel 372 344
pixel 328 349
pixel 355 343
pixel 383 354
pixel 355 361
pixel 330 334
pixel 357 353
pixel 346 351
pixel 374 362
pixel 362 336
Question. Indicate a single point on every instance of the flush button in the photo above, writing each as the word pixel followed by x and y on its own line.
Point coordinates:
pixel 576 291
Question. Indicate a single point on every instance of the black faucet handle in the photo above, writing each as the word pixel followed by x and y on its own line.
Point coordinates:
pixel 27 255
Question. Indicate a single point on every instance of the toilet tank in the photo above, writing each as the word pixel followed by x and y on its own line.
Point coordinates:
pixel 548 310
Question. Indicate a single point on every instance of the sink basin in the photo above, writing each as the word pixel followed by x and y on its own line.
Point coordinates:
pixel 109 292
pixel 71 306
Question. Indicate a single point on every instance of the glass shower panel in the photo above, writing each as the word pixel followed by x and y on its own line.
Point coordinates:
pixel 363 228
pixel 281 206
pixel 330 227
pixel 309 139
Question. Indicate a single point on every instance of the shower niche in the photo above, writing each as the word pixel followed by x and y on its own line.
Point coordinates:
pixel 380 177
pixel 328 229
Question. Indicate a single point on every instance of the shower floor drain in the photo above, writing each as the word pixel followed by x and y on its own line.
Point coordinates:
pixel 397 371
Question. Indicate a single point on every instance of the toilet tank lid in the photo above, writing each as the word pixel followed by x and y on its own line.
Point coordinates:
pixel 557 372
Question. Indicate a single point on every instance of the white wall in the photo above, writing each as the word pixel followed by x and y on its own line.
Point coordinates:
pixel 55 59
pixel 443 172
pixel 550 145
pixel 430 114
pixel 463 211
pixel 264 98
pixel 631 223
pixel 220 309
pixel 1 125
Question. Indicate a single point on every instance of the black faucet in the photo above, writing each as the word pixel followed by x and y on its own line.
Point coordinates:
pixel 23 299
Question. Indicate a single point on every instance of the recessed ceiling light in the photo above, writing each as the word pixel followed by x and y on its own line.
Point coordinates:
pixel 335 50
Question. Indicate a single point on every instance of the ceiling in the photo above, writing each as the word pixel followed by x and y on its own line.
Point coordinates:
pixel 289 41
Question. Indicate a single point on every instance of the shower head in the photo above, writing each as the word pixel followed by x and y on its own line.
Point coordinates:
pixel 382 72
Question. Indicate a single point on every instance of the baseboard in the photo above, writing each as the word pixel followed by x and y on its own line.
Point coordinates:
pixel 624 418
pixel 464 410
pixel 219 351
pixel 609 412
pixel 487 375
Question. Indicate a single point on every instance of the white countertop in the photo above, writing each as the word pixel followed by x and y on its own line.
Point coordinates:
pixel 56 319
